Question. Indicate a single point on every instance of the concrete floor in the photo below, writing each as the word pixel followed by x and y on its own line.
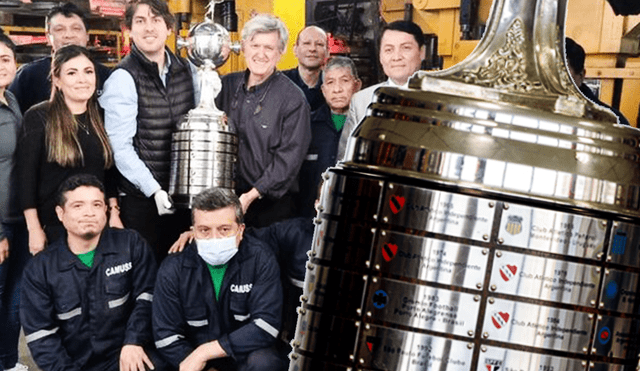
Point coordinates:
pixel 25 354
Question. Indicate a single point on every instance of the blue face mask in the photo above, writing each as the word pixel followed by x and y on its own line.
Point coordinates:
pixel 217 251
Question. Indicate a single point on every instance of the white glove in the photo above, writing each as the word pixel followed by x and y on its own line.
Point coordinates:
pixel 163 203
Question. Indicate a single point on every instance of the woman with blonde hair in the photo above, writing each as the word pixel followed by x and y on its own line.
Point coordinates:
pixel 61 137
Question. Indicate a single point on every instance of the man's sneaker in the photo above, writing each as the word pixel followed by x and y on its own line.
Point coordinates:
pixel 18 367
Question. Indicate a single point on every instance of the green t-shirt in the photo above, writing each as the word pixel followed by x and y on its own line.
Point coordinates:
pixel 217 275
pixel 338 120
pixel 87 258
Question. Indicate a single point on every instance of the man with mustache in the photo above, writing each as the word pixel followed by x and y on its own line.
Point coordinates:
pixel 86 299
pixel 144 100
pixel 401 53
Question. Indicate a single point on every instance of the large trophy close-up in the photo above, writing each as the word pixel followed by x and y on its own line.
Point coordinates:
pixel 485 218
pixel 204 147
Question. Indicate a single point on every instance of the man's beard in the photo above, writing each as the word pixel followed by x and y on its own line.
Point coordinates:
pixel 89 235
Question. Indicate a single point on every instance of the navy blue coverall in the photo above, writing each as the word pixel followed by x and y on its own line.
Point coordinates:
pixel 245 319
pixel 78 318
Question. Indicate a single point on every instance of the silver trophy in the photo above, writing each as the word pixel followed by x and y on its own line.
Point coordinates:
pixel 486 218
pixel 204 149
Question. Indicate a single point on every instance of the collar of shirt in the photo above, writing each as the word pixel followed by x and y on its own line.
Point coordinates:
pixel 393 84
pixel 257 88
pixel 67 259
pixel 165 70
pixel 301 82
pixel 11 106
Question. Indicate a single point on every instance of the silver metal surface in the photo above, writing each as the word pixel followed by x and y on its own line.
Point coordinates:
pixel 620 291
pixel 334 340
pixel 320 284
pixel 616 337
pixel 324 238
pixel 421 307
pixel 545 279
pixel 552 231
pixel 343 194
pixel 204 154
pixel 537 325
pixel 208 41
pixel 437 212
pixel 624 240
pixel 430 260
pixel 540 159
pixel 390 349
pixel 499 359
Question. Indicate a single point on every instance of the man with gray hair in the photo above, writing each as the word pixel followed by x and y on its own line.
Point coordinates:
pixel 339 82
pixel 271 117
pixel 217 304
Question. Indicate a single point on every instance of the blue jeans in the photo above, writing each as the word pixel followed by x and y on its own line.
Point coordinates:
pixel 10 278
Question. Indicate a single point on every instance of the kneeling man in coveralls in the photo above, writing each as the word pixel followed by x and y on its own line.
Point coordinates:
pixel 86 299
pixel 218 303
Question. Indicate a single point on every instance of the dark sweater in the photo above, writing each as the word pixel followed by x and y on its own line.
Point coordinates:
pixel 39 179
pixel 314 95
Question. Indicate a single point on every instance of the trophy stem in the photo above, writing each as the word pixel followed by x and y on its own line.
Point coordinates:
pixel 210 87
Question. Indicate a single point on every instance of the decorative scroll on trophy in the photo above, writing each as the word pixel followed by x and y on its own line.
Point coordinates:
pixel 204 148
pixel 486 219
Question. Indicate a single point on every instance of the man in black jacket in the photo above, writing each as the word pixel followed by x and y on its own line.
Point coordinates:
pixel 86 299
pixel 65 24
pixel 144 99
pixel 218 303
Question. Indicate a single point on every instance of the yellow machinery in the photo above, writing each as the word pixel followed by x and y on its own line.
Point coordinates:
pixel 291 12
pixel 591 23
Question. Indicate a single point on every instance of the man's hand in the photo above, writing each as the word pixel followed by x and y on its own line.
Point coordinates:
pixel 182 241
pixel 194 362
pixel 199 357
pixel 114 214
pixel 133 358
pixel 163 202
pixel 4 250
pixel 247 198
